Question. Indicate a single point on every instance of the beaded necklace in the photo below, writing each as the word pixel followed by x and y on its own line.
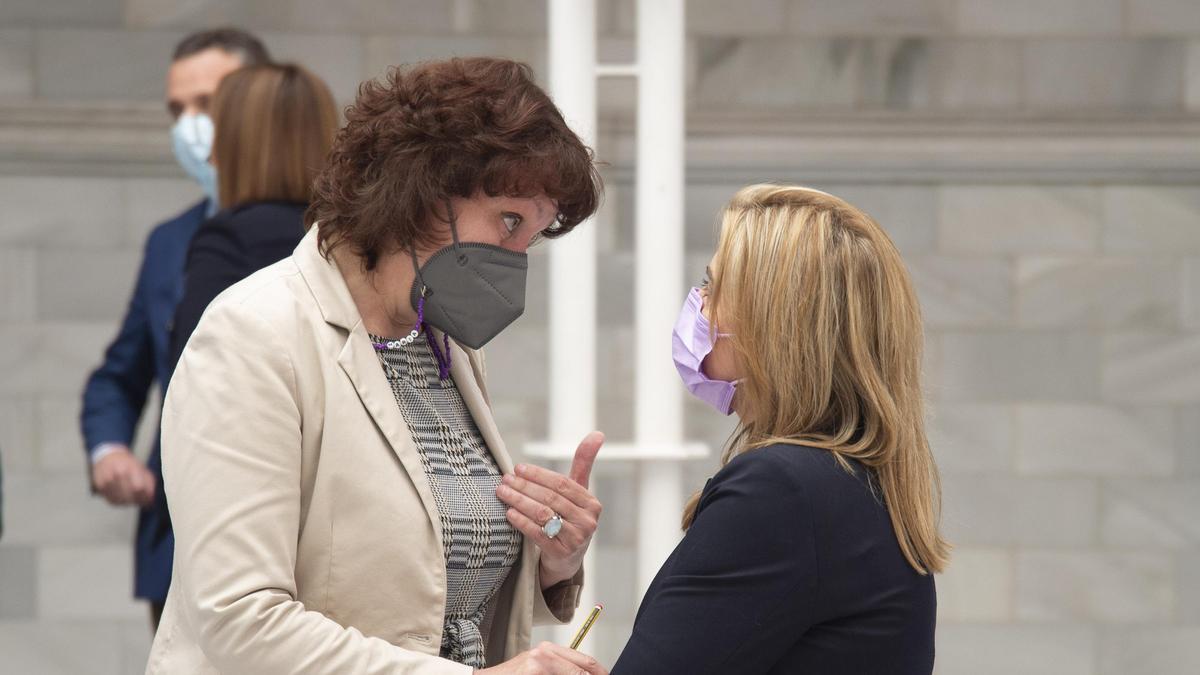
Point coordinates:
pixel 442 356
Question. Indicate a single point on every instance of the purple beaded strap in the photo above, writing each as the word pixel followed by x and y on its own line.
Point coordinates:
pixel 442 357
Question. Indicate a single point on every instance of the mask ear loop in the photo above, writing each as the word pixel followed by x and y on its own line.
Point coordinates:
pixel 441 355
pixel 458 254
pixel 421 297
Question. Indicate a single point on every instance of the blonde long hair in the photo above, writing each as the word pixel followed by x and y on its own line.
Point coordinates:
pixel 827 331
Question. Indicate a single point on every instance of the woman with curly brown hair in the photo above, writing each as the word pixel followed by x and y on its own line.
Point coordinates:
pixel 343 501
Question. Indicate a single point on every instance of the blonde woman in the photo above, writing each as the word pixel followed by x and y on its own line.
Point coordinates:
pixel 812 549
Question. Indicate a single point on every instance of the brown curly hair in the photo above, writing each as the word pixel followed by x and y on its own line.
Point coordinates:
pixel 443 129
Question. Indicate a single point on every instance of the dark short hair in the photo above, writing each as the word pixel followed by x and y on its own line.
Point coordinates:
pixel 238 42
pixel 426 133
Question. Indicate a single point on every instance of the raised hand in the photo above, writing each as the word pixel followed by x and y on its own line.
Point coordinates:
pixel 536 495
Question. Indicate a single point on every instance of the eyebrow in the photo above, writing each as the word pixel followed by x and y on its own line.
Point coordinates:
pixel 553 218
pixel 552 207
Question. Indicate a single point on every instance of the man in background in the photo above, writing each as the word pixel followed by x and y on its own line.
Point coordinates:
pixel 116 392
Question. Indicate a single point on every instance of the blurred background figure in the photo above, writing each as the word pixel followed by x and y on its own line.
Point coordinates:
pixel 274 125
pixel 117 391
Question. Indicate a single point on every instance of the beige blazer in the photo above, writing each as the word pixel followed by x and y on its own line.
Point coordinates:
pixel 307 539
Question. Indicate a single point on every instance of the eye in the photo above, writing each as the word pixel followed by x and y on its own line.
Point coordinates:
pixel 511 221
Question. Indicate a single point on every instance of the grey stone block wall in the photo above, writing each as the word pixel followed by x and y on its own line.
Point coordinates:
pixel 1062 314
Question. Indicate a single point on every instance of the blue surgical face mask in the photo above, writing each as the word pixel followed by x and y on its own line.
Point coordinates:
pixel 192 140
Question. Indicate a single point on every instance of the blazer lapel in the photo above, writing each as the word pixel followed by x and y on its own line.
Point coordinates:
pixel 362 366
pixel 466 379
pixel 357 358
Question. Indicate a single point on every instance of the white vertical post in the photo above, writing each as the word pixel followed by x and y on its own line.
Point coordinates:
pixel 658 420
pixel 572 405
pixel 573 259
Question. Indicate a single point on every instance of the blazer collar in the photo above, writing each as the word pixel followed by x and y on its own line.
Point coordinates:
pixel 325 281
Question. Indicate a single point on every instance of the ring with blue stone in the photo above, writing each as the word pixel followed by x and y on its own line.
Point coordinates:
pixel 553 526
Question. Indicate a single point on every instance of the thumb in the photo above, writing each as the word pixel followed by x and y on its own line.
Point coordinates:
pixel 585 457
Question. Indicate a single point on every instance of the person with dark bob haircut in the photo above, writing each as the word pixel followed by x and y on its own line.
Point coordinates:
pixel 343 501
pixel 274 125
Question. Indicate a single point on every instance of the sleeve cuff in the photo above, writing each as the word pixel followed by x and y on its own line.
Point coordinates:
pixel 557 604
pixel 103 450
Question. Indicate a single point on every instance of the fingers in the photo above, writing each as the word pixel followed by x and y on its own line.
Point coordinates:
pixel 528 497
pixel 144 486
pixel 551 659
pixel 531 530
pixel 559 484
pixel 572 659
pixel 578 525
pixel 110 491
pixel 122 480
pixel 540 509
pixel 585 457
pixel 116 490
pixel 112 482
pixel 539 504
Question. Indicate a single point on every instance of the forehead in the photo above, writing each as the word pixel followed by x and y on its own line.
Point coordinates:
pixel 539 204
pixel 202 70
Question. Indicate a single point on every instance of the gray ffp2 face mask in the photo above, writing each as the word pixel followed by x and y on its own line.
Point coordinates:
pixel 472 291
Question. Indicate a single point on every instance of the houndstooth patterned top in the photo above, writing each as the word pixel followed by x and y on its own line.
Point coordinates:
pixel 480 546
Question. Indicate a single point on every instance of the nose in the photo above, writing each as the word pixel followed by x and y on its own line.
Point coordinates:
pixel 518 244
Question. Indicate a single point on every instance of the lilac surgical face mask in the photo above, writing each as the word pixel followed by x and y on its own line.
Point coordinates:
pixel 692 341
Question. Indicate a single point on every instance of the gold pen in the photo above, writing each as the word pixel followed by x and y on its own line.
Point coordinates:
pixel 587 625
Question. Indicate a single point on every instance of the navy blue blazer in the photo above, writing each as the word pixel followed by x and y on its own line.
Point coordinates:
pixel 116 392
pixel 791 566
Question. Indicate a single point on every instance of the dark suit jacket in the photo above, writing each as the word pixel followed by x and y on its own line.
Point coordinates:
pixel 791 566
pixel 231 246
pixel 116 392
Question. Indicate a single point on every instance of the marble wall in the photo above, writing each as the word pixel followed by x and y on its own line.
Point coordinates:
pixel 1038 163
